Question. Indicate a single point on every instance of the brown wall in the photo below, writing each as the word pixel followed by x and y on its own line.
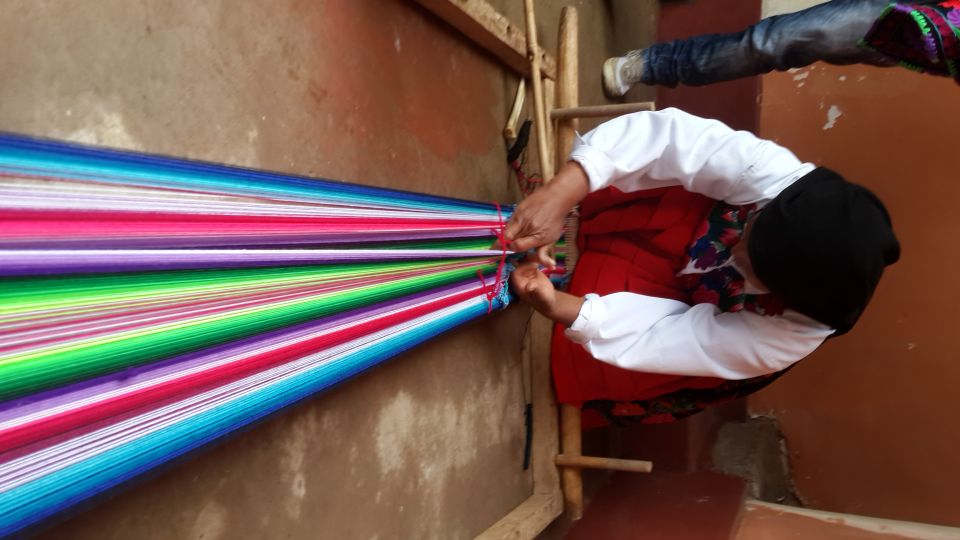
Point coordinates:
pixel 870 418
pixel 733 102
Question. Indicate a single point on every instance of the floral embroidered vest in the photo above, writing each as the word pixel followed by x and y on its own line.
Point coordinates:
pixel 709 274
pixel 710 277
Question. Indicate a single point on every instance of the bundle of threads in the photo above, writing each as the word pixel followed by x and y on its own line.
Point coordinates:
pixel 152 305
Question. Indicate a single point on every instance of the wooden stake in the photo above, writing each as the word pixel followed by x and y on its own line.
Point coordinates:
pixel 533 52
pixel 609 464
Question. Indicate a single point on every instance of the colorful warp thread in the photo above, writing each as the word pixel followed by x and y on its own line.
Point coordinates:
pixel 150 305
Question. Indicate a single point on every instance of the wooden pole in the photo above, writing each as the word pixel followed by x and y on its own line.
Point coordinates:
pixel 550 102
pixel 568 96
pixel 609 464
pixel 567 82
pixel 567 112
pixel 533 52
pixel 572 480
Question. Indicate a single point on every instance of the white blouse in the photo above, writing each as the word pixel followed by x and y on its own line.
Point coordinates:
pixel 649 150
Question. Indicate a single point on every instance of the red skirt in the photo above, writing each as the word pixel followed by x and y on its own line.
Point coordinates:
pixel 634 242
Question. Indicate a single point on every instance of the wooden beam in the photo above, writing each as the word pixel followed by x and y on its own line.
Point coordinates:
pixel 527 520
pixel 486 27
pixel 567 112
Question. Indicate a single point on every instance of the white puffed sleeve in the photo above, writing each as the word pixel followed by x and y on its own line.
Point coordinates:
pixel 658 335
pixel 648 150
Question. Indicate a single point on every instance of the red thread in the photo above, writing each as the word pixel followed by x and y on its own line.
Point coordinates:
pixel 527 183
pixel 492 292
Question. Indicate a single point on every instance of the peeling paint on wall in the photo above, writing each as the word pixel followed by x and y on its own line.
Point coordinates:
pixel 779 7
pixel 833 114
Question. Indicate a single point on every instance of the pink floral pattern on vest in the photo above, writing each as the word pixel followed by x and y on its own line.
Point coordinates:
pixel 709 273
pixel 711 278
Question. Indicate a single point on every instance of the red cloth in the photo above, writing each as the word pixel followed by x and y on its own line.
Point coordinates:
pixel 634 242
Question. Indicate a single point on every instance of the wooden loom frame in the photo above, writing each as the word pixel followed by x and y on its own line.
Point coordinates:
pixel 554 81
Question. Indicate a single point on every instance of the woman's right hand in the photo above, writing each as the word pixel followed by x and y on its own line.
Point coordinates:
pixel 538 220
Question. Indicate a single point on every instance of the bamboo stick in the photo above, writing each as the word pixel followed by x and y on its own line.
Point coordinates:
pixel 510 130
pixel 533 52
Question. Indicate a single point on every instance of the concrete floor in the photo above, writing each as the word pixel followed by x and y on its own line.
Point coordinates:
pixel 370 91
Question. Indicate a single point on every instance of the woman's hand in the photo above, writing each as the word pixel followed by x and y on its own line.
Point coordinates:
pixel 535 288
pixel 538 221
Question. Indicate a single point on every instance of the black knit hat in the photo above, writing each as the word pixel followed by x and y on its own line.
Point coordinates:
pixel 821 246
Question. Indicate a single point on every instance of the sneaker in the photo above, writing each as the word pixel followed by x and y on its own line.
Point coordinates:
pixel 622 72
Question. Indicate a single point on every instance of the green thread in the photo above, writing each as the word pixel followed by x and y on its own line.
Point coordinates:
pixel 39 370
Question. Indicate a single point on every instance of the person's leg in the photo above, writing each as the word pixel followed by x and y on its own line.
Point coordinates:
pixel 829 32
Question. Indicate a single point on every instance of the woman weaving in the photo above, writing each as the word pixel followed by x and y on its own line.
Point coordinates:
pixel 711 261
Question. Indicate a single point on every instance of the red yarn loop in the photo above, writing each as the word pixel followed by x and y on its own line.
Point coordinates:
pixel 491 293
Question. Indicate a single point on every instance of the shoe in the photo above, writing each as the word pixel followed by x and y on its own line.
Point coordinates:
pixel 622 72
